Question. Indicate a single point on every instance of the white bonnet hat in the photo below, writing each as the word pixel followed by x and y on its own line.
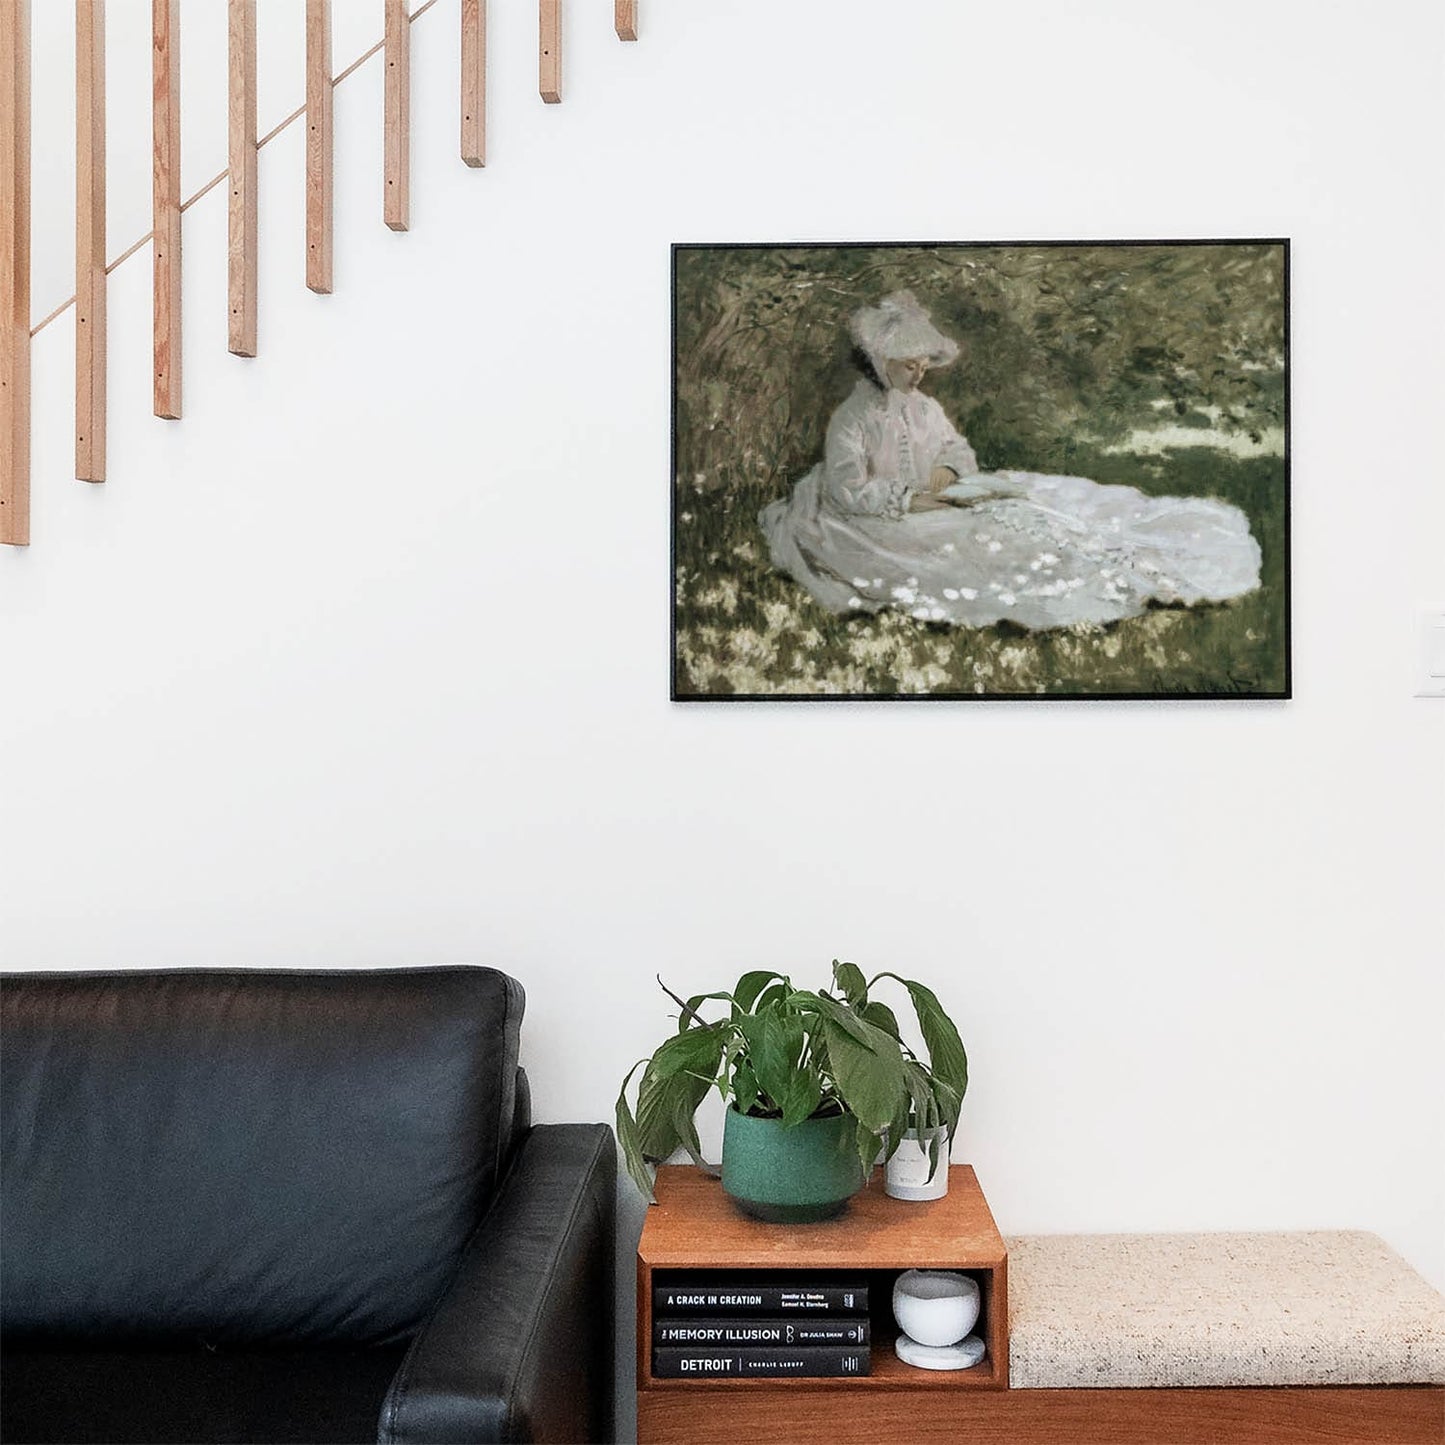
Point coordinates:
pixel 898 328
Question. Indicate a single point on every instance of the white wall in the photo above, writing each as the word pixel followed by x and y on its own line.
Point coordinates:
pixel 365 661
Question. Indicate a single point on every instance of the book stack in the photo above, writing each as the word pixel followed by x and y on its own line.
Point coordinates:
pixel 763 1327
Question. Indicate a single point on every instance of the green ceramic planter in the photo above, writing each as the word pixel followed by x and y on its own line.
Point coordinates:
pixel 791 1176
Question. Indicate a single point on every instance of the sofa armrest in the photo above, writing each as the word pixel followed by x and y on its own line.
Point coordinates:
pixel 520 1346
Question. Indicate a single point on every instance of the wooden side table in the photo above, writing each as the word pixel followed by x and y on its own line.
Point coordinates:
pixel 694 1226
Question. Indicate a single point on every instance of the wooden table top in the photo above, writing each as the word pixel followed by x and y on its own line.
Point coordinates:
pixel 694 1225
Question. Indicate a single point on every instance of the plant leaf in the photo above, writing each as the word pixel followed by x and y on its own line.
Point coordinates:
pixel 928 1095
pixel 685 1127
pixel 946 1053
pixel 949 1104
pixel 690 1018
pixel 660 1104
pixel 686 1013
pixel 677 1076
pixel 922 1106
pixel 804 1094
pixel 897 1127
pixel 657 1137
pixel 882 1017
pixel 630 1138
pixel 822 1066
pixel 750 985
pixel 838 1014
pixel 869 1075
pixel 696 1050
pixel 745 1087
pixel 867 1142
pixel 774 993
pixel 848 978
pixel 775 1046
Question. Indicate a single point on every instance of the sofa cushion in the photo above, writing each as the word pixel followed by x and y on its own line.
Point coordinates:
pixel 1316 1308
pixel 262 1157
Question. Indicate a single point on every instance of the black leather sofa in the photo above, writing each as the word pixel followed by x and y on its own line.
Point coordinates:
pixel 293 1206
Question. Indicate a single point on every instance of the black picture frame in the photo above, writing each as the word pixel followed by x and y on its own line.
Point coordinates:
pixel 1257 626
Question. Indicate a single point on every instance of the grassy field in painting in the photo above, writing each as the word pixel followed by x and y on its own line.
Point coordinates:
pixel 1103 362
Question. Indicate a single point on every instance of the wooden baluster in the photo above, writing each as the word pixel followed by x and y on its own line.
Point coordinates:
pixel 90 290
pixel 318 146
pixel 625 19
pixel 397 104
pixel 549 50
pixel 474 82
pixel 166 203
pixel 243 219
pixel 15 272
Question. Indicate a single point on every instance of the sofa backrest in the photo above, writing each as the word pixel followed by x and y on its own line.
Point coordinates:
pixel 257 1156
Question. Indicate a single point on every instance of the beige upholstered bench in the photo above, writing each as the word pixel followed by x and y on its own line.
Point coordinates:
pixel 1224 1337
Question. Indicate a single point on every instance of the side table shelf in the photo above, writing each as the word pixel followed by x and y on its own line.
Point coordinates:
pixel 695 1227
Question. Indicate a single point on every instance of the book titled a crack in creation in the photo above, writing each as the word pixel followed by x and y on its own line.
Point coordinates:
pixel 695 1298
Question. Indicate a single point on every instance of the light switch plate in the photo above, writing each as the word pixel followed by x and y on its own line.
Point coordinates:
pixel 1432 655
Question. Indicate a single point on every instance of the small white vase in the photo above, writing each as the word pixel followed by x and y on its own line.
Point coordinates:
pixel 905 1176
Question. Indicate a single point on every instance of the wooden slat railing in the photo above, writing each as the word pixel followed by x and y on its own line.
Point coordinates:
pixel 319 146
pixel 15 272
pixel 243 226
pixel 474 82
pixel 166 204
pixel 396 140
pixel 90 287
pixel 243 220
pixel 549 50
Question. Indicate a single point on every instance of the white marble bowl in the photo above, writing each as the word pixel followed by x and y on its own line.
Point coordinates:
pixel 935 1306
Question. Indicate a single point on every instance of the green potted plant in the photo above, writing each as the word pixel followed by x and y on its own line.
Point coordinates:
pixel 816 1083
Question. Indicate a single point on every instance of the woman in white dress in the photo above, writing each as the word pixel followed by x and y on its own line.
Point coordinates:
pixel 898 516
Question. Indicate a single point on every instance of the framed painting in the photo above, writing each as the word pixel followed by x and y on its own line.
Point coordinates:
pixel 983 470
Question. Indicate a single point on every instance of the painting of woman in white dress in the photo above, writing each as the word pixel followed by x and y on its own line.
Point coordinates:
pixel 916 534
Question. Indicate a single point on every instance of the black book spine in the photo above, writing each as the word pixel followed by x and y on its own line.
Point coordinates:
pixel 742 1299
pixel 787 1330
pixel 748 1361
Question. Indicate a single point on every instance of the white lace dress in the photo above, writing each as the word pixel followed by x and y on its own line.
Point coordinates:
pixel 1042 551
